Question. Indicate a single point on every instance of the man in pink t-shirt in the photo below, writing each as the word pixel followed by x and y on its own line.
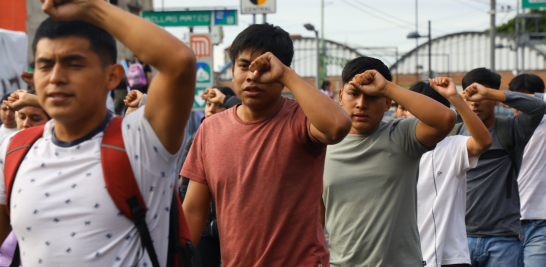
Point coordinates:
pixel 263 160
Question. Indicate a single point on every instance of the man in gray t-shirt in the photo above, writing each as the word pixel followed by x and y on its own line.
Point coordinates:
pixel 370 178
pixel 493 212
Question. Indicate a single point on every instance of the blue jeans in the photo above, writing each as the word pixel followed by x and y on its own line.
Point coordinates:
pixel 494 251
pixel 533 247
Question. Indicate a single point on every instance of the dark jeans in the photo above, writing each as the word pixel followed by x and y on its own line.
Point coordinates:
pixel 209 249
pixel 457 265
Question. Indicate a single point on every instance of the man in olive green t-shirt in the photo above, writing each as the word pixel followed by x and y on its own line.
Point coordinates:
pixel 370 178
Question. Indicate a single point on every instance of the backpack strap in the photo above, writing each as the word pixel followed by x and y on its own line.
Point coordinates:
pixel 456 129
pixel 18 148
pixel 121 183
pixel 508 145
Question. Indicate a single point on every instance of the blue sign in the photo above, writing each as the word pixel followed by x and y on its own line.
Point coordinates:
pixel 225 17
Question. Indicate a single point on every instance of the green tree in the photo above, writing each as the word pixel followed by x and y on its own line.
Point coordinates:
pixel 530 23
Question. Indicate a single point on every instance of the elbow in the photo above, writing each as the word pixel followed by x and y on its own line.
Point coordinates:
pixel 184 62
pixel 448 121
pixel 340 130
pixel 486 144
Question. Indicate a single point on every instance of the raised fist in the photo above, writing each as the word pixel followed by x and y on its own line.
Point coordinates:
pixel 444 86
pixel 267 69
pixel 67 10
pixel 371 82
pixel 476 92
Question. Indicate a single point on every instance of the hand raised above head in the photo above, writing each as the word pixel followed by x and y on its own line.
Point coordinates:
pixel 371 82
pixel 133 98
pixel 205 94
pixel 444 86
pixel 267 69
pixel 67 10
pixel 476 92
pixel 19 99
pixel 215 96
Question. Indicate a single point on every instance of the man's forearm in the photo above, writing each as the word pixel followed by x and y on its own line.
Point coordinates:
pixel 325 115
pixel 480 134
pixel 524 103
pixel 151 43
pixel 427 110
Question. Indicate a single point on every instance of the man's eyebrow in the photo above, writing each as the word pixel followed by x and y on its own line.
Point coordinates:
pixel 72 58
pixel 243 60
pixel 44 60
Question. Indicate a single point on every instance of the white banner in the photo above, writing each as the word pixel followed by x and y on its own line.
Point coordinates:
pixel 13 60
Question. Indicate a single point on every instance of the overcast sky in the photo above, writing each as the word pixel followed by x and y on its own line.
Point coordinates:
pixel 367 23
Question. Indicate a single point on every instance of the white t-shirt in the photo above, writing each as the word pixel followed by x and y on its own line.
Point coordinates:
pixel 532 176
pixel 441 202
pixel 62 213
pixel 5 132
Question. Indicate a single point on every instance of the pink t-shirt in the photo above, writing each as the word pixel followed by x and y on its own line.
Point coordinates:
pixel 266 179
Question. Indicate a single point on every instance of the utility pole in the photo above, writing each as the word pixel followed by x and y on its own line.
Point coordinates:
pixel 492 33
pixel 524 31
pixel 429 51
pixel 517 38
pixel 416 46
pixel 322 49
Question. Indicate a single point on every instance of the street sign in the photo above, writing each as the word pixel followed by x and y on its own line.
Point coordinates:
pixel 202 48
pixel 192 18
pixel 533 3
pixel 258 6
pixel 179 18
pixel 225 17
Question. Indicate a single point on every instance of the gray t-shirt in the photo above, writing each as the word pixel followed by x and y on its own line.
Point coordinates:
pixel 370 197
pixel 488 210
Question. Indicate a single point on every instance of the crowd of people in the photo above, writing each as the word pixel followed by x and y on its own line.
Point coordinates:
pixel 264 176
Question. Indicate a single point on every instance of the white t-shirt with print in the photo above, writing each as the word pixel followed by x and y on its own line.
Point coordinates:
pixel 5 132
pixel 441 202
pixel 62 213
pixel 532 176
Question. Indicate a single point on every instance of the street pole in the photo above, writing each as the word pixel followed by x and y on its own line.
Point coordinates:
pixel 265 17
pixel 416 46
pixel 322 49
pixel 492 33
pixel 253 18
pixel 517 38
pixel 317 79
pixel 429 52
pixel 524 31
pixel 396 60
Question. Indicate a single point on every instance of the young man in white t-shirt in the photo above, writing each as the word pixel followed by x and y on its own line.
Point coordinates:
pixel 61 212
pixel 441 189
pixel 532 181
pixel 7 115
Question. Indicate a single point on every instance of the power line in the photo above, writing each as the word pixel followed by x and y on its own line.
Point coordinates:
pixel 376 16
pixel 470 6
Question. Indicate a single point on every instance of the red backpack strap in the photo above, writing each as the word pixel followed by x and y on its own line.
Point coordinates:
pixel 18 147
pixel 122 185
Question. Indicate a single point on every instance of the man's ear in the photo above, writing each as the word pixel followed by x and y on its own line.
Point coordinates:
pixel 115 73
pixel 389 103
pixel 340 96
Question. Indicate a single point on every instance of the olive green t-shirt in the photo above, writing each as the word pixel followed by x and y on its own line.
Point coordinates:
pixel 370 197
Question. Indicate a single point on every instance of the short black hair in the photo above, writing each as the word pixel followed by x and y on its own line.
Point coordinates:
pixel 325 83
pixel 482 76
pixel 266 37
pixel 362 64
pixel 100 41
pixel 225 90
pixel 529 82
pixel 424 88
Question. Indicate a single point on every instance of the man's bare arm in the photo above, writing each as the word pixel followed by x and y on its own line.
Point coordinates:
pixel 196 208
pixel 480 139
pixel 435 119
pixel 329 122
pixel 170 95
